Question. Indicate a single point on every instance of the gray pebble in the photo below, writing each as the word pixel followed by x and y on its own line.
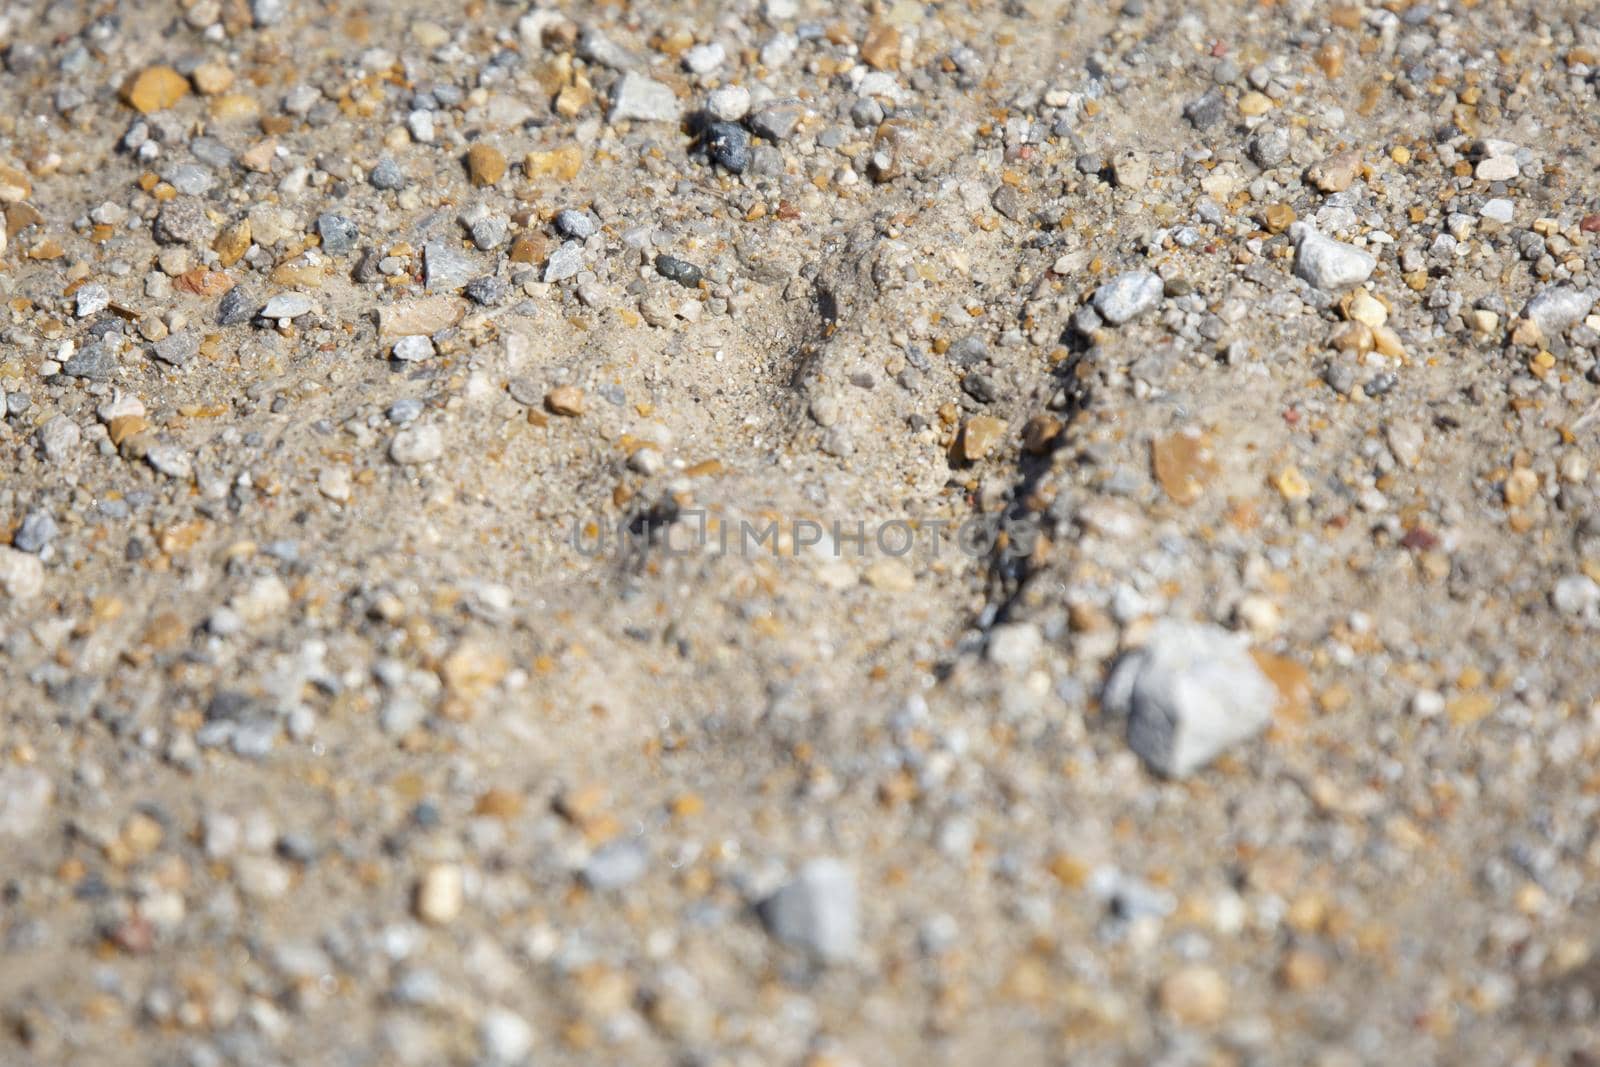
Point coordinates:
pixel 565 262
pixel 38 529
pixel 386 174
pixel 445 266
pixel 1328 264
pixel 641 99
pixel 413 349
pixel 579 225
pixel 339 234
pixel 616 866
pixel 817 911
pixel 286 306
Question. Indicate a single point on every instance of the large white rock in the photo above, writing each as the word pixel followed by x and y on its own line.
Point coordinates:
pixel 1192 691
pixel 1326 263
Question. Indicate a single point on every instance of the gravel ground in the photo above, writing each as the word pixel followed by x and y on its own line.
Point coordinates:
pixel 1169 432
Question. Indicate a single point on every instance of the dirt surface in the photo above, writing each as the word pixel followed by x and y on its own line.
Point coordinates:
pixel 599 533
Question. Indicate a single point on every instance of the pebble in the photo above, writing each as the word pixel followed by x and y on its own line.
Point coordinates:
pixel 177 349
pixel 26 793
pixel 338 233
pixel 386 174
pixel 413 349
pixel 1498 169
pixel 579 225
pixel 565 262
pixel 1557 308
pixel 416 444
pixel 21 573
pixel 639 99
pixel 486 164
pixel 286 306
pixel 1498 210
pixel 729 103
pixel 777 122
pixel 506 1037
pixel 37 530
pixel 1336 173
pixel 1189 693
pixel 673 269
pixel 616 866
pixel 1195 995
pixel 728 145
pixel 235 307
pixel 817 911
pixel 446 266
pixel 155 89
pixel 92 299
pixel 1128 296
pixel 565 400
pixel 440 894
pixel 97 362
pixel 1326 263
pixel 1576 594
pixel 59 438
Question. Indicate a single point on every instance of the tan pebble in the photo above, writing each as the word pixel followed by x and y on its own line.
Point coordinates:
pixel 1292 484
pixel 1277 217
pixel 561 163
pixel 565 400
pixel 213 78
pixel 529 248
pixel 881 48
pixel 1302 970
pixel 423 315
pixel 1253 104
pixel 472 669
pixel 440 894
pixel 259 156
pixel 1521 486
pixel 1483 320
pixel 486 164
pixel 1336 173
pixel 155 89
pixel 234 107
pixel 891 575
pixel 1364 307
pixel 14 185
pixel 232 243
pixel 1195 995
pixel 980 435
pixel 1386 341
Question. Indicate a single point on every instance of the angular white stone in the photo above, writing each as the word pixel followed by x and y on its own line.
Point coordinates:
pixel 1326 263
pixel 1189 693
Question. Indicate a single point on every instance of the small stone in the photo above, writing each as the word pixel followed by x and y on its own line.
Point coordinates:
pixel 234 307
pixel 425 315
pixel 339 234
pixel 386 174
pixel 92 299
pixel 640 99
pixel 880 49
pixel 579 225
pixel 155 89
pixel 58 437
pixel 486 164
pixel 1405 439
pixel 1326 263
pixel 1277 217
pixel 616 866
pixel 177 349
pixel 37 530
pixel 213 78
pixel 486 291
pixel 171 460
pixel 562 163
pixel 1498 169
pixel 565 400
pixel 286 306
pixel 21 573
pixel 16 187
pixel 704 58
pixel 1367 310
pixel 1128 296
pixel 1575 594
pixel 1498 210
pixel 728 145
pixel 440 894
pixel 673 269
pixel 1557 309
pixel 232 243
pixel 505 1036
pixel 445 266
pixel 817 911
pixel 1014 646
pixel 980 436
pixel 1130 170
pixel 729 103
pixel 1189 693
pixel 1195 995
pixel 1270 147
pixel 413 349
pixel 777 122
pixel 1336 173
pixel 416 444
pixel 184 222
pixel 26 793
pixel 1206 111
pixel 565 262
pixel 97 362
